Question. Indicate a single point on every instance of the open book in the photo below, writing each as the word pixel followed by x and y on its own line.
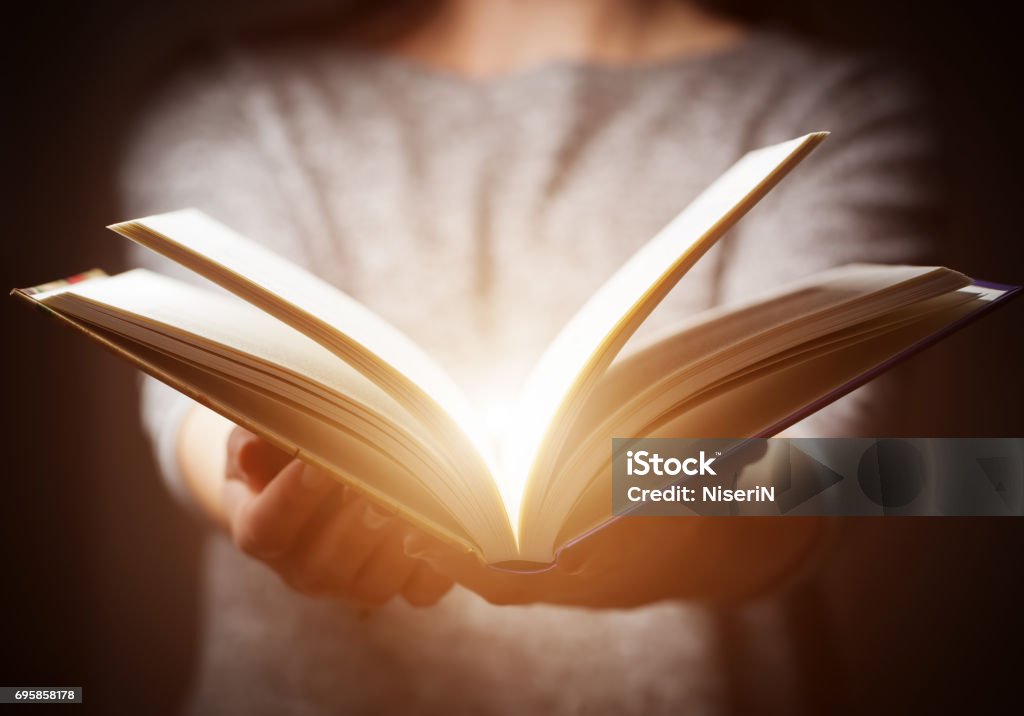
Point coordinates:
pixel 316 373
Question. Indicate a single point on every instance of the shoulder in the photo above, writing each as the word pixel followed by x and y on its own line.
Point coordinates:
pixel 226 111
pixel 807 85
pixel 224 133
pixel 250 96
pixel 218 91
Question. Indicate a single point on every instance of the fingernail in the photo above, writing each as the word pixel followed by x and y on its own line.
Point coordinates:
pixel 373 518
pixel 415 545
pixel 313 478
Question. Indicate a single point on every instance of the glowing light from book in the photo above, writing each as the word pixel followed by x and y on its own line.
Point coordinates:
pixel 496 418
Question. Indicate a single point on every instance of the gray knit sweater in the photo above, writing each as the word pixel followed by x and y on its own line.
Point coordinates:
pixel 477 216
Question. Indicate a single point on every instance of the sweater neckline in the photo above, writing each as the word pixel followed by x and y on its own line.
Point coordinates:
pixel 400 65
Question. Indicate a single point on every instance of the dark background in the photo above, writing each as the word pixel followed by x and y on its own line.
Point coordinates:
pixel 99 578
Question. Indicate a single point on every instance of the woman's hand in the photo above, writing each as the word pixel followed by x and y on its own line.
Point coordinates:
pixel 640 560
pixel 637 560
pixel 322 538
pixel 326 540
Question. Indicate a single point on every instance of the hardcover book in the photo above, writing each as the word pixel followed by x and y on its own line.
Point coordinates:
pixel 307 367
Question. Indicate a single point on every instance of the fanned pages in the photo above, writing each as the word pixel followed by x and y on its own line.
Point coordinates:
pixel 587 345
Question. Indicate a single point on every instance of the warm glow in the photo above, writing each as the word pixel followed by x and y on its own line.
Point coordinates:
pixel 495 406
pixel 589 341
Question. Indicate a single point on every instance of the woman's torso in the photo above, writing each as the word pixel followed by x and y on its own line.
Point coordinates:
pixel 476 217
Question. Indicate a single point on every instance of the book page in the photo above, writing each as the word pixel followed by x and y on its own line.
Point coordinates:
pixel 283 427
pixel 589 342
pixel 723 339
pixel 236 344
pixel 218 319
pixel 767 401
pixel 835 310
pixel 338 322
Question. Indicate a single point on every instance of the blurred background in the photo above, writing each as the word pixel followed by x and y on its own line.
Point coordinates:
pixel 99 578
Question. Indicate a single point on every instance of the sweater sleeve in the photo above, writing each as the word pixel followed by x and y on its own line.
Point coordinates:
pixel 198 144
pixel 867 195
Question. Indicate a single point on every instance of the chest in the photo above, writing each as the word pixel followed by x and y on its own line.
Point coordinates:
pixel 479 222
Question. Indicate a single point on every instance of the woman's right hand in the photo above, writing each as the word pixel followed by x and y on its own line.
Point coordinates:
pixel 322 538
pixel 326 540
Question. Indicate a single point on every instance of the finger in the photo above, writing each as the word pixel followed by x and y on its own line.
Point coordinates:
pixel 235 495
pixel 463 566
pixel 260 462
pixel 270 523
pixel 425 587
pixel 385 572
pixel 496 585
pixel 441 555
pixel 329 556
pixel 362 531
pixel 252 459
pixel 574 559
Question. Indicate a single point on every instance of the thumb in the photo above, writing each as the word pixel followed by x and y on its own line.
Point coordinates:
pixel 573 559
pixel 420 545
